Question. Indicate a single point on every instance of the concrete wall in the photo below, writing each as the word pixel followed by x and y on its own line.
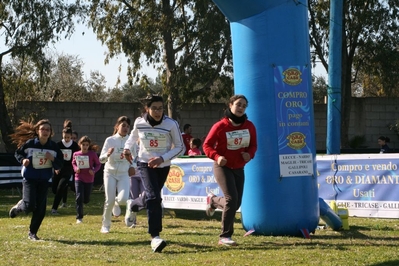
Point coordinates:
pixel 369 117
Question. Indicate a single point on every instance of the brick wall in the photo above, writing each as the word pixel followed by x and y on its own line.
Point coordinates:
pixel 369 117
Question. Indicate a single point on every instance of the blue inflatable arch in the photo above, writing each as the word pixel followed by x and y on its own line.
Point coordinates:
pixel 271 58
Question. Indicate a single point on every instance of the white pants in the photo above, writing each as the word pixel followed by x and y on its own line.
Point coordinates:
pixel 113 183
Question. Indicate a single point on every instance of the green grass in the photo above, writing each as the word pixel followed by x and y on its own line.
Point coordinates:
pixel 191 237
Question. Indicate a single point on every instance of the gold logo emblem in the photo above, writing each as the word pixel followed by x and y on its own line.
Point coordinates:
pixel 174 182
pixel 292 76
pixel 296 140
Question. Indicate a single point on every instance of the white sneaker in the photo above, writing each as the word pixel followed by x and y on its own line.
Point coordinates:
pixel 130 217
pixel 79 221
pixel 227 241
pixel 116 210
pixel 209 210
pixel 104 229
pixel 157 244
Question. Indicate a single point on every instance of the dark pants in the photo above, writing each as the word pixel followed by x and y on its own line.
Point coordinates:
pixel 34 194
pixel 231 182
pixel 153 181
pixel 60 189
pixel 83 193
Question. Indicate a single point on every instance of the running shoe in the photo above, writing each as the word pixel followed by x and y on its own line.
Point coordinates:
pixel 227 241
pixel 16 209
pixel 209 210
pixel 157 244
pixel 104 229
pixel 130 217
pixel 79 221
pixel 116 210
pixel 33 237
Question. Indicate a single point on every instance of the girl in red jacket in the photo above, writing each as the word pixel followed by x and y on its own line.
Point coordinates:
pixel 231 143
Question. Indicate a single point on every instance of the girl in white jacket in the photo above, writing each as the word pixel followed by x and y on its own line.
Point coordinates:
pixel 116 177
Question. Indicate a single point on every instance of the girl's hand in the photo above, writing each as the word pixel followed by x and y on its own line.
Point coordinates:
pixel 245 156
pixel 25 162
pixel 77 171
pixel 128 155
pixel 155 162
pixel 222 161
pixel 110 151
pixel 49 156
pixel 57 172
pixel 91 172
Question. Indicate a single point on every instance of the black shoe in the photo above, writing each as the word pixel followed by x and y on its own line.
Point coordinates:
pixel 33 237
pixel 16 209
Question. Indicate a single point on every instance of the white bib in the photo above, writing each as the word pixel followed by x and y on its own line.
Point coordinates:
pixel 67 154
pixel 154 141
pixel 82 161
pixel 39 160
pixel 238 139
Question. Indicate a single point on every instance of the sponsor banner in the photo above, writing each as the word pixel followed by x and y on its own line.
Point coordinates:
pixel 366 184
pixel 294 127
pixel 188 183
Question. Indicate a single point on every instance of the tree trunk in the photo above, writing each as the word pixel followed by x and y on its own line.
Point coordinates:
pixel 5 121
pixel 346 100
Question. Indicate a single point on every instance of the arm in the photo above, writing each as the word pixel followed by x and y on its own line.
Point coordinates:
pixel 75 167
pixel 96 162
pixel 177 144
pixel 253 145
pixel 210 142
pixel 58 161
pixel 104 151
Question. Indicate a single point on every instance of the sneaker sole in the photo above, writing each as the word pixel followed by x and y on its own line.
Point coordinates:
pixel 160 247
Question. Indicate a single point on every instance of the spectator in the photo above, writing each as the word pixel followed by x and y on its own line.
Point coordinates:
pixel 195 145
pixel 187 130
pixel 382 141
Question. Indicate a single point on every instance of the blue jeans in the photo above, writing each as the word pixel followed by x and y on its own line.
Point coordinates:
pixel 153 181
pixel 34 195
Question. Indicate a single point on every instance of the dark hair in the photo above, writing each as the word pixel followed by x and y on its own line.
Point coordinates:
pixel 150 99
pixel 67 127
pixel 236 97
pixel 386 139
pixel 28 130
pixel 196 141
pixel 92 146
pixel 186 126
pixel 120 120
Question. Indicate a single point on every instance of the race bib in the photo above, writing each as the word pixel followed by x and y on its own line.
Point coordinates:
pixel 117 155
pixel 67 154
pixel 39 160
pixel 154 141
pixel 238 139
pixel 82 161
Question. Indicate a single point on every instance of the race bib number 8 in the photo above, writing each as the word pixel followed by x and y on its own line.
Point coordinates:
pixel 82 162
pixel 67 154
pixel 39 160
pixel 238 139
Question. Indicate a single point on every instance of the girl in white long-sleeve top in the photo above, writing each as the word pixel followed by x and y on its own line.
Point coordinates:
pixel 160 142
pixel 116 177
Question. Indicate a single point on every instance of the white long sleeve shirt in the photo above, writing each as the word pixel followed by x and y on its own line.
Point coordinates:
pixel 163 140
pixel 116 163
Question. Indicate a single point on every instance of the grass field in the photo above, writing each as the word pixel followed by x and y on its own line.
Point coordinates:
pixel 192 240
